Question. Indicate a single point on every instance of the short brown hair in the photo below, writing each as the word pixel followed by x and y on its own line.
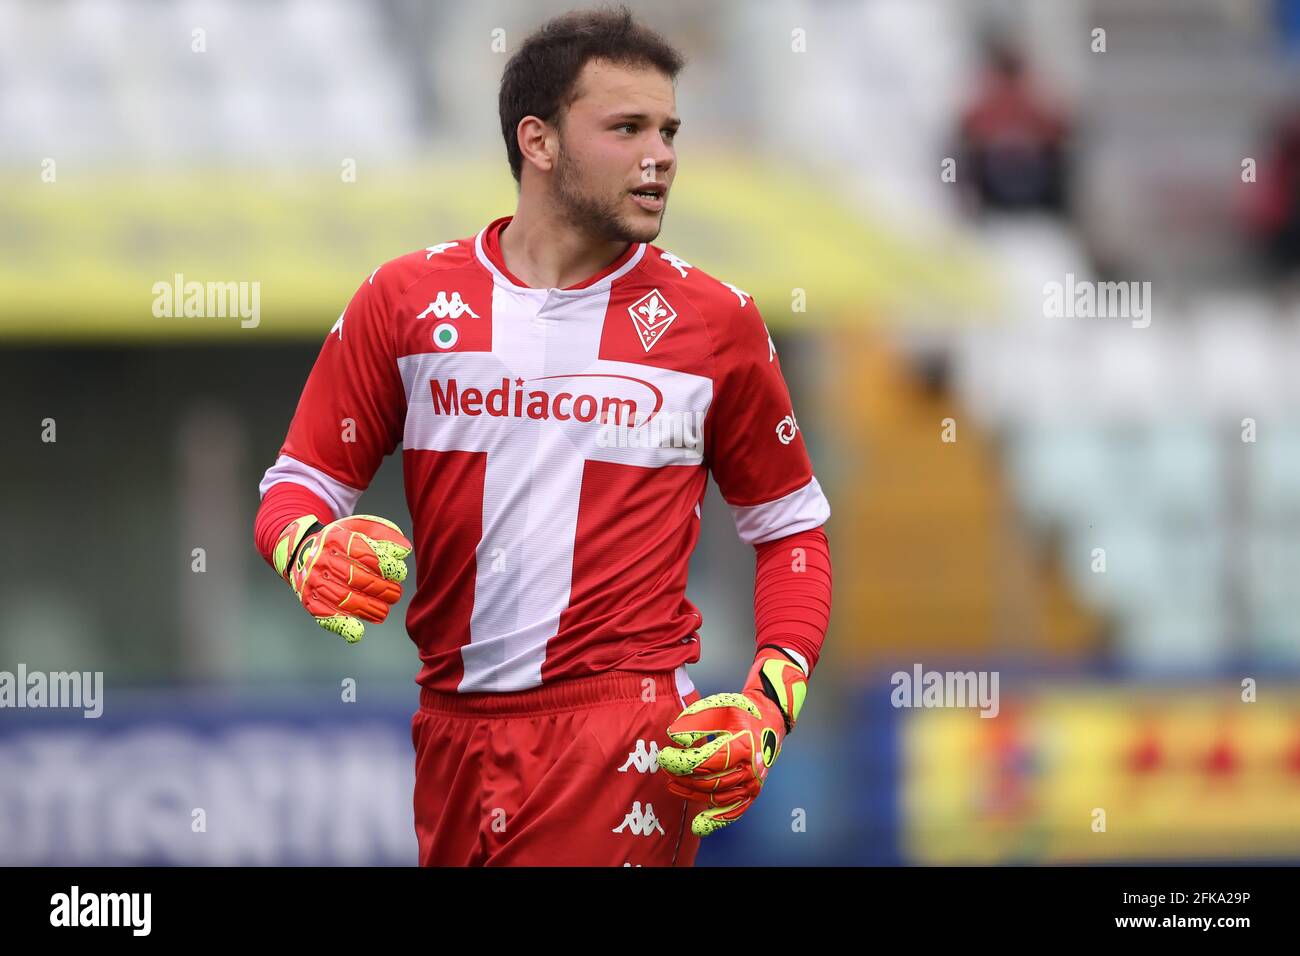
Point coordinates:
pixel 540 78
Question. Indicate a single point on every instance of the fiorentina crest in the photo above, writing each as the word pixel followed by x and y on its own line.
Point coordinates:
pixel 651 314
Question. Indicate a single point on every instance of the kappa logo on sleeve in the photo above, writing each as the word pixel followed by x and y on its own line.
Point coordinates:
pixel 741 294
pixel 677 262
pixel 438 249
pixel 651 316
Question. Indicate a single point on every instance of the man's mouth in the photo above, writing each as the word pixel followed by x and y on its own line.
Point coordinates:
pixel 650 197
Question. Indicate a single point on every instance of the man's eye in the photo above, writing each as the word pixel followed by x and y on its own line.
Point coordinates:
pixel 631 126
pixel 670 133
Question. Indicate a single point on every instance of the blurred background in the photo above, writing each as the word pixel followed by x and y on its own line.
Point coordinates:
pixel 1033 271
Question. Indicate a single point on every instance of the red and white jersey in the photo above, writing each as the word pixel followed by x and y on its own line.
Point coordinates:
pixel 556 447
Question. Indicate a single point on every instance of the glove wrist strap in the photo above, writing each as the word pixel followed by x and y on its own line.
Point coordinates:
pixel 290 541
pixel 782 680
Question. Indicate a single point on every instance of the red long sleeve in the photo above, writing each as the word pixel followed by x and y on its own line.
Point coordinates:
pixel 792 593
pixel 282 503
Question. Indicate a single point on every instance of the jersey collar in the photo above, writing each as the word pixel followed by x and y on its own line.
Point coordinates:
pixel 487 246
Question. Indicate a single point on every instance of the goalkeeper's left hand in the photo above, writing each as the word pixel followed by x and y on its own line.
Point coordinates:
pixel 730 741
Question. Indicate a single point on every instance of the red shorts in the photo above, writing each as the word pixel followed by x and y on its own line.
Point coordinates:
pixel 561 775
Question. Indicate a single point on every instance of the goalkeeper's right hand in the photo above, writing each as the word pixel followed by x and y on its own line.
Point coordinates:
pixel 344 572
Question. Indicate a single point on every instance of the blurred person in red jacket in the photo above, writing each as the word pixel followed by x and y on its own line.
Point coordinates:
pixel 1272 206
pixel 1013 140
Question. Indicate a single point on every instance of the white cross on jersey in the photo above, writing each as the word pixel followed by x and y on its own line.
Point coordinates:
pixel 533 471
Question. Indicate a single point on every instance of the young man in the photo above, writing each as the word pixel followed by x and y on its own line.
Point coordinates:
pixel 561 389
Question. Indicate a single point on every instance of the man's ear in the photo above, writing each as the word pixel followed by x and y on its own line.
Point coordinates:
pixel 538 142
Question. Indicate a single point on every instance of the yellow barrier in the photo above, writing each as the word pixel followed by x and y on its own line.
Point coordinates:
pixel 82 255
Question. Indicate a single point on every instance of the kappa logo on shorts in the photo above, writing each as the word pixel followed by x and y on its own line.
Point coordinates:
pixel 645 760
pixel 642 823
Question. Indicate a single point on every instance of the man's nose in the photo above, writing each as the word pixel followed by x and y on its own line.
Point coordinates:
pixel 656 164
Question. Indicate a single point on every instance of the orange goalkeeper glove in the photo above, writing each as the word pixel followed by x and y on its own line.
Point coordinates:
pixel 345 572
pixel 730 741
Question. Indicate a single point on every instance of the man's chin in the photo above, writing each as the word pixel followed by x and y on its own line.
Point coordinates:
pixel 643 228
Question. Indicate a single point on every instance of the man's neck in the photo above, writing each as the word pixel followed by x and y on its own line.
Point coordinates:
pixel 547 253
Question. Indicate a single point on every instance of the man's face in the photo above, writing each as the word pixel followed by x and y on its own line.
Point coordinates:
pixel 615 140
